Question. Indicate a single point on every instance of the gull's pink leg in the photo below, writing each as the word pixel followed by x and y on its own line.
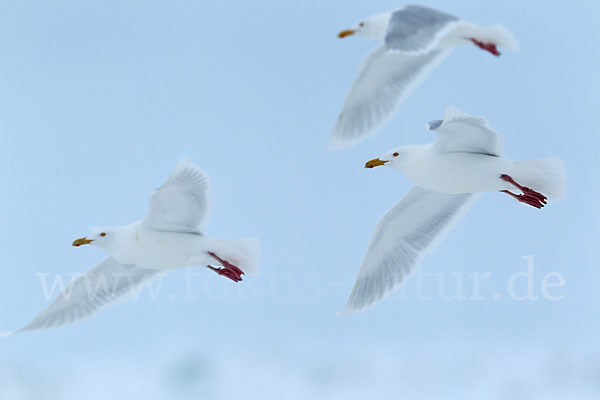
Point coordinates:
pixel 524 199
pixel 529 196
pixel 491 47
pixel 229 270
pixel 526 191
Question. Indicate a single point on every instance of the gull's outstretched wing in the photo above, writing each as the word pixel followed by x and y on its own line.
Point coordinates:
pixel 384 79
pixel 418 29
pixel 413 227
pixel 459 132
pixel 183 203
pixel 88 293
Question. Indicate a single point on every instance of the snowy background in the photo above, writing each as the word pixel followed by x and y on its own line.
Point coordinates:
pixel 100 99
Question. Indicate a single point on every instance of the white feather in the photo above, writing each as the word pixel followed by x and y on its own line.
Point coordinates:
pixel 460 132
pixel 384 80
pixel 183 203
pixel 89 293
pixel 402 237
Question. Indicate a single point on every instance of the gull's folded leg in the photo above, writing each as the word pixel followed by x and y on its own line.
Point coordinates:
pixel 487 46
pixel 528 192
pixel 229 270
pixel 532 201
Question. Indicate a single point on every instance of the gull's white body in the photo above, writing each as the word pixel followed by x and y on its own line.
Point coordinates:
pixel 416 39
pixel 454 173
pixel 466 159
pixel 148 248
pixel 457 172
pixel 170 236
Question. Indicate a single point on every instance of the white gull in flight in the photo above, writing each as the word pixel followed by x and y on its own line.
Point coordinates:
pixel 169 236
pixel 415 40
pixel 448 177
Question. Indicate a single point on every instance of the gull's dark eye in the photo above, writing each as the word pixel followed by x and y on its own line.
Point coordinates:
pixel 103 234
pixel 396 154
pixel 361 24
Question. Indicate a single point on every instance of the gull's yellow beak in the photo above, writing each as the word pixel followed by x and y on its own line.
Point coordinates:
pixel 374 163
pixel 83 240
pixel 345 33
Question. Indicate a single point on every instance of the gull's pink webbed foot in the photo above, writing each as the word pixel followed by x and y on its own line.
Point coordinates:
pixel 529 196
pixel 228 270
pixel 491 47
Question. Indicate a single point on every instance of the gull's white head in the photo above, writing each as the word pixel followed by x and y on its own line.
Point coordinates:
pixel 396 158
pixel 101 237
pixel 373 27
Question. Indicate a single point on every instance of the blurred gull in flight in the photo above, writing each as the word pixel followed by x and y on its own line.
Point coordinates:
pixel 466 159
pixel 415 40
pixel 169 236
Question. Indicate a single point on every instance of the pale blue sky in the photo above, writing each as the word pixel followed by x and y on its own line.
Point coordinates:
pixel 100 99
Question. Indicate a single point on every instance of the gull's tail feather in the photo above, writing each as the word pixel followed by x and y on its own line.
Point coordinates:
pixel 243 253
pixel 547 176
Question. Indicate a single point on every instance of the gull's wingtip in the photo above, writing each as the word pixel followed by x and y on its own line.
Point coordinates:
pixel 356 305
pixel 339 142
pixel 186 163
pixel 454 114
pixel 451 114
pixel 7 334
pixel 334 145
pixel 345 137
pixel 348 311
